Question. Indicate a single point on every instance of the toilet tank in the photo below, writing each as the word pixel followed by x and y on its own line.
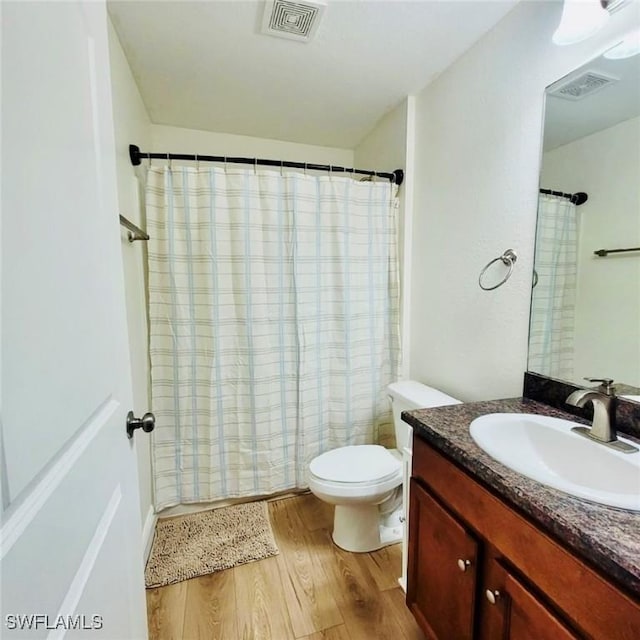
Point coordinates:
pixel 407 395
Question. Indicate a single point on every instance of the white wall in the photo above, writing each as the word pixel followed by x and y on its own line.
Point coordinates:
pixel 387 147
pixel 178 140
pixel 606 165
pixel 478 141
pixel 132 123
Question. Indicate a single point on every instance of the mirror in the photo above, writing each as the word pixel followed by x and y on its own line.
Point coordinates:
pixel 585 309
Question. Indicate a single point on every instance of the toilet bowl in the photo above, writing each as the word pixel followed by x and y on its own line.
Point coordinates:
pixel 364 482
pixel 357 479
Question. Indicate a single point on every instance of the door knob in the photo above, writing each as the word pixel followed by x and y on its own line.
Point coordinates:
pixel 147 423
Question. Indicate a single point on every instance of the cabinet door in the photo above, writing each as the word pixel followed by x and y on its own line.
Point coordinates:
pixel 442 570
pixel 528 618
pixel 511 611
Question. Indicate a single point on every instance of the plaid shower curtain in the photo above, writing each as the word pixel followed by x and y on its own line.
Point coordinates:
pixel 552 324
pixel 273 308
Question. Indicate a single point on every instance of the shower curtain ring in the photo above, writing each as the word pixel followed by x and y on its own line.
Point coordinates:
pixel 255 166
pixel 305 168
pixel 197 163
pixel 225 164
pixel 169 161
pixel 281 168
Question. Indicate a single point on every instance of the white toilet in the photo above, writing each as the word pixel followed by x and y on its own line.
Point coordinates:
pixel 364 482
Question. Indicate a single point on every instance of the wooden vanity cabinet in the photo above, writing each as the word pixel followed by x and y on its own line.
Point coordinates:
pixel 479 570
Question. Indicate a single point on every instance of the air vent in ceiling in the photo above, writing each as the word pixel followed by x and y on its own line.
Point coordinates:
pixel 581 86
pixel 292 20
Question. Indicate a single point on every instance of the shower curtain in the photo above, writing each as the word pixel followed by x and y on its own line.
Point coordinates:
pixel 273 307
pixel 551 331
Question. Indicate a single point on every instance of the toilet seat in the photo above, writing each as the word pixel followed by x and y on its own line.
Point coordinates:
pixel 355 473
pixel 360 464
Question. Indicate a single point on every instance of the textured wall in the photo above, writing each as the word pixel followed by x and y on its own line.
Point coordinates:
pixel 478 146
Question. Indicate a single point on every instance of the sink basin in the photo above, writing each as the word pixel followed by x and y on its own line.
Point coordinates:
pixel 634 398
pixel 546 450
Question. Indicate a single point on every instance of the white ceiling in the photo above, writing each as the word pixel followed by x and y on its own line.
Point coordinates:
pixel 205 65
pixel 566 121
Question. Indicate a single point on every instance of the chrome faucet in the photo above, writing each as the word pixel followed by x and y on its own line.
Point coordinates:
pixel 603 399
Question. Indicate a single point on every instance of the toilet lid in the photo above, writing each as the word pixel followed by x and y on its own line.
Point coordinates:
pixel 362 463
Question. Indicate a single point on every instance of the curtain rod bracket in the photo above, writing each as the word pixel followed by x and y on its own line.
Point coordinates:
pixel 134 155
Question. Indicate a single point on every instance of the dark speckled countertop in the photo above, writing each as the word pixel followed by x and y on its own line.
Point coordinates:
pixel 606 537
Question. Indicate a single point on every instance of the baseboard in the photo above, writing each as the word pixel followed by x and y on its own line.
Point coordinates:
pixel 148 531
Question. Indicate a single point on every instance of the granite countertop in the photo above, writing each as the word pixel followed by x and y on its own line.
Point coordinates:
pixel 606 537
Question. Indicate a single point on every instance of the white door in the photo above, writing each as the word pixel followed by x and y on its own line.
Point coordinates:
pixel 70 544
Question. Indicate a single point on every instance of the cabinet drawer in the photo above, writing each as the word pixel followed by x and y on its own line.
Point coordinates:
pixel 589 600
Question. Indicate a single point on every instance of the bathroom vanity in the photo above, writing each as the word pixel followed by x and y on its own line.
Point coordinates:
pixel 493 554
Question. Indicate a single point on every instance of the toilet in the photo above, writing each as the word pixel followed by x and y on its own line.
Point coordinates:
pixel 364 482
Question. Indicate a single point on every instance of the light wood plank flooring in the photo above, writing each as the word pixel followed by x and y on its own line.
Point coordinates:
pixel 311 591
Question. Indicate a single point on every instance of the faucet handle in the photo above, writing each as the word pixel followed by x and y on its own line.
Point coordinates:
pixel 606 384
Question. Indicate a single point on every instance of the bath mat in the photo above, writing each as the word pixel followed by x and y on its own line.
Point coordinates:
pixel 199 543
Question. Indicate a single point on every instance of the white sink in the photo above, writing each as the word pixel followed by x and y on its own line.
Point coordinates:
pixel 634 398
pixel 546 450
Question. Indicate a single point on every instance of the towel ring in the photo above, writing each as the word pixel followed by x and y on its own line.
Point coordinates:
pixel 508 258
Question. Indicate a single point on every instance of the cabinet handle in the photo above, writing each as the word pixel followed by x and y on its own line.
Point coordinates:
pixel 401 518
pixel 492 596
pixel 463 565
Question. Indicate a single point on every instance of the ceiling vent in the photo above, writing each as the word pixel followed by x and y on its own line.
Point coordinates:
pixel 581 86
pixel 292 20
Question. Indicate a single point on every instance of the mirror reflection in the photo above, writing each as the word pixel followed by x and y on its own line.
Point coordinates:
pixel 585 310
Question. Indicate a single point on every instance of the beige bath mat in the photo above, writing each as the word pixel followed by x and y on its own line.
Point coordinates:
pixel 201 543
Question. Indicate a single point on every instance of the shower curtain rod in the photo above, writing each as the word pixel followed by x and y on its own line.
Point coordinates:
pixel 577 198
pixel 136 157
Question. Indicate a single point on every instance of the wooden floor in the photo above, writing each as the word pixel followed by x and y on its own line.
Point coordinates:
pixel 310 591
